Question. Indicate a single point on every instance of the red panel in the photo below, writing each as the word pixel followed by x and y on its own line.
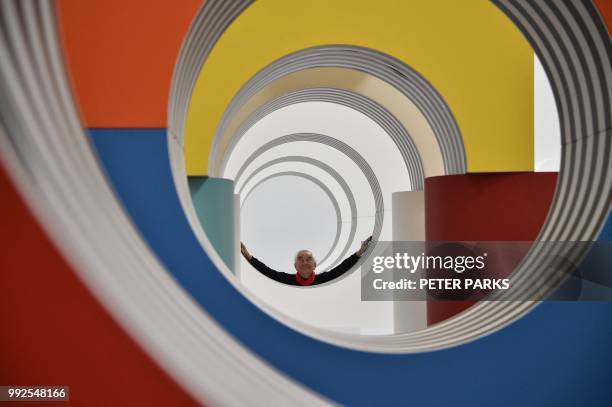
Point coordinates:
pixel 55 333
pixel 605 8
pixel 484 207
pixel 121 55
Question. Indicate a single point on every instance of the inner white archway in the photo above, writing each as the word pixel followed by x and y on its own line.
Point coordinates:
pixel 283 214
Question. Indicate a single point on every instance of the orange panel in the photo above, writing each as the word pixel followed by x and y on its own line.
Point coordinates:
pixel 121 55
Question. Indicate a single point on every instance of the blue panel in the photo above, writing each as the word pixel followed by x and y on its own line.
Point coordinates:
pixel 558 355
pixel 606 232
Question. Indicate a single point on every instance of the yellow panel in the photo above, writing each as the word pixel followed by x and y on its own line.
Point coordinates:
pixel 468 50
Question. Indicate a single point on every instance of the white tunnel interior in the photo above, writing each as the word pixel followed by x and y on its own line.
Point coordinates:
pixel 281 209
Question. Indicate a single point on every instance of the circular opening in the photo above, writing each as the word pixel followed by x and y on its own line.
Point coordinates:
pixel 484 317
pixel 283 215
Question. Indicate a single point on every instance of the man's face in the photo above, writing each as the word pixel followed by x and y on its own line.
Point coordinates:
pixel 305 263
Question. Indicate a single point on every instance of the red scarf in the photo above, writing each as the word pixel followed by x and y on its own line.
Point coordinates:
pixel 305 281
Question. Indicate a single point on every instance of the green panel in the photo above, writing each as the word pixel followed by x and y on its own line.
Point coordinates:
pixel 213 199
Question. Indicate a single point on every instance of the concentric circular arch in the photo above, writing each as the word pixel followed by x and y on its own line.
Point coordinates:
pixel 384 67
pixel 327 192
pixel 374 185
pixel 355 101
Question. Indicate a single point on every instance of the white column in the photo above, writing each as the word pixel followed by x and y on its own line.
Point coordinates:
pixel 409 225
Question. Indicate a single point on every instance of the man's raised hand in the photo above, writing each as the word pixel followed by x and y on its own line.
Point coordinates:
pixel 364 247
pixel 245 252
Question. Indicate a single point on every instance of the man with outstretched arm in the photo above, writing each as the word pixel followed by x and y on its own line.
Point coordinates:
pixel 305 265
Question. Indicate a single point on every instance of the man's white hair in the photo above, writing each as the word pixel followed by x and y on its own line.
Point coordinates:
pixel 304 250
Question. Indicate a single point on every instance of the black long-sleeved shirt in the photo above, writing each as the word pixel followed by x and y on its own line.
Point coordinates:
pixel 291 279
